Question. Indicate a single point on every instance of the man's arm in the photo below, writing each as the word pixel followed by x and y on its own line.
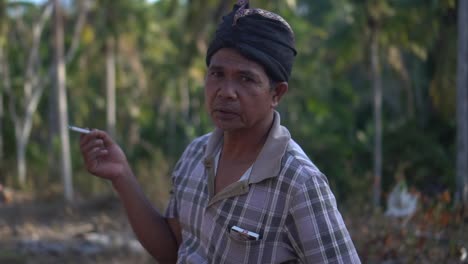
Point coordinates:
pixel 105 159
pixel 157 234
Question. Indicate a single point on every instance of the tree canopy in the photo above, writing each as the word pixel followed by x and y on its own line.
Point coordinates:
pixel 159 74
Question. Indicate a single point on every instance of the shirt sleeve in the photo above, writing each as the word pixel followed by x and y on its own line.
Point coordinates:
pixel 171 209
pixel 315 227
pixel 178 172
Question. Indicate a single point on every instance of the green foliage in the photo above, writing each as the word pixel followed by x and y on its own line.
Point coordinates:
pixel 328 109
pixel 426 166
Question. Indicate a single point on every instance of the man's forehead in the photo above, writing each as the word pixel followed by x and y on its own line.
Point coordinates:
pixel 233 60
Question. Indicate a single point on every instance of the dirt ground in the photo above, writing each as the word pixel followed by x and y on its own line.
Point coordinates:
pixel 436 233
pixel 97 231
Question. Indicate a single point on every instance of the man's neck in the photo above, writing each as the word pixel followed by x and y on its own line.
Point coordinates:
pixel 243 143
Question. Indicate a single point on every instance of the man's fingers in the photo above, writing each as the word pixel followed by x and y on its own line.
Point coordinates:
pixel 105 137
pixel 94 158
pixel 95 138
pixel 95 153
pixel 92 144
pixel 90 151
pixel 93 147
pixel 85 138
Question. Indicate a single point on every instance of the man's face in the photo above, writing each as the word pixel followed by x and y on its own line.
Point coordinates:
pixel 237 91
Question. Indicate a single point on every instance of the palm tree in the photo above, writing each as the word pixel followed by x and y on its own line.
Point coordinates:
pixel 60 81
pixel 3 75
pixel 462 104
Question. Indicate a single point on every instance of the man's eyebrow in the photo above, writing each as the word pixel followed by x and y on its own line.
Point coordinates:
pixel 251 74
pixel 246 72
pixel 215 67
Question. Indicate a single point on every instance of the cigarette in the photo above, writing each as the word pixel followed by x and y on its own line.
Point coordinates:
pixel 79 129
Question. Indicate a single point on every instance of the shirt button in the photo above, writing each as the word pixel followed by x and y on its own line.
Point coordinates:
pixel 208 163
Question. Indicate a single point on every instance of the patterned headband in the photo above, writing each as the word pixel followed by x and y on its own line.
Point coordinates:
pixel 244 10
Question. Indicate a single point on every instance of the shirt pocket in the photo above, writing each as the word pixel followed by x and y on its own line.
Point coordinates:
pixel 243 251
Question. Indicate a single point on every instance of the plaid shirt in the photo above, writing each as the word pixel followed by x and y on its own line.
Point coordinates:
pixel 286 200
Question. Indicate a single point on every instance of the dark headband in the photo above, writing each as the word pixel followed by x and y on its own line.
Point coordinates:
pixel 259 35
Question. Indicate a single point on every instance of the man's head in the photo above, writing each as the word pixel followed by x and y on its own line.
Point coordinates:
pixel 259 35
pixel 249 64
pixel 239 95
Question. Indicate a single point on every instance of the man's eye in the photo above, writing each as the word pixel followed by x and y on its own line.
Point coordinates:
pixel 215 74
pixel 247 79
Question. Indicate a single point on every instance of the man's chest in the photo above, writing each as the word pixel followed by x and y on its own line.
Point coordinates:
pixel 227 173
pixel 240 202
pixel 207 227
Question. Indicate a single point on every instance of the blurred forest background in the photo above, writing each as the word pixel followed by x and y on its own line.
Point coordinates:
pixel 373 100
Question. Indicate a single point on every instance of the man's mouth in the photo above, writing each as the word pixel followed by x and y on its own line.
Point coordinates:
pixel 225 113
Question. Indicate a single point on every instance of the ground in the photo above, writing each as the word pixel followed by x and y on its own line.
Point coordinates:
pixel 97 231
pixel 436 233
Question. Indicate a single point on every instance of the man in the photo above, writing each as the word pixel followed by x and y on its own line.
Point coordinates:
pixel 245 193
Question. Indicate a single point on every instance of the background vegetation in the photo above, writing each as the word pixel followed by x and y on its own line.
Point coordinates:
pixel 136 69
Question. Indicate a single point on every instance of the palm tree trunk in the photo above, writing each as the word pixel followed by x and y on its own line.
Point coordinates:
pixel 462 105
pixel 62 103
pixel 110 85
pixel 377 87
pixel 2 76
pixel 21 160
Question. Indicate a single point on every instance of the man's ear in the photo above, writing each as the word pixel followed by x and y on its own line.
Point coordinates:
pixel 279 89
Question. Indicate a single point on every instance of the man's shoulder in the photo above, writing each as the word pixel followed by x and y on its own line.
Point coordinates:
pixel 300 175
pixel 201 140
pixel 197 145
pixel 295 157
pixel 193 154
pixel 297 164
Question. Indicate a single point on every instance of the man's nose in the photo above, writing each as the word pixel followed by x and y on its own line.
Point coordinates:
pixel 228 89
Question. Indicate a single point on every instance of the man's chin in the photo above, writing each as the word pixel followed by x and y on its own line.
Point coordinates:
pixel 227 126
